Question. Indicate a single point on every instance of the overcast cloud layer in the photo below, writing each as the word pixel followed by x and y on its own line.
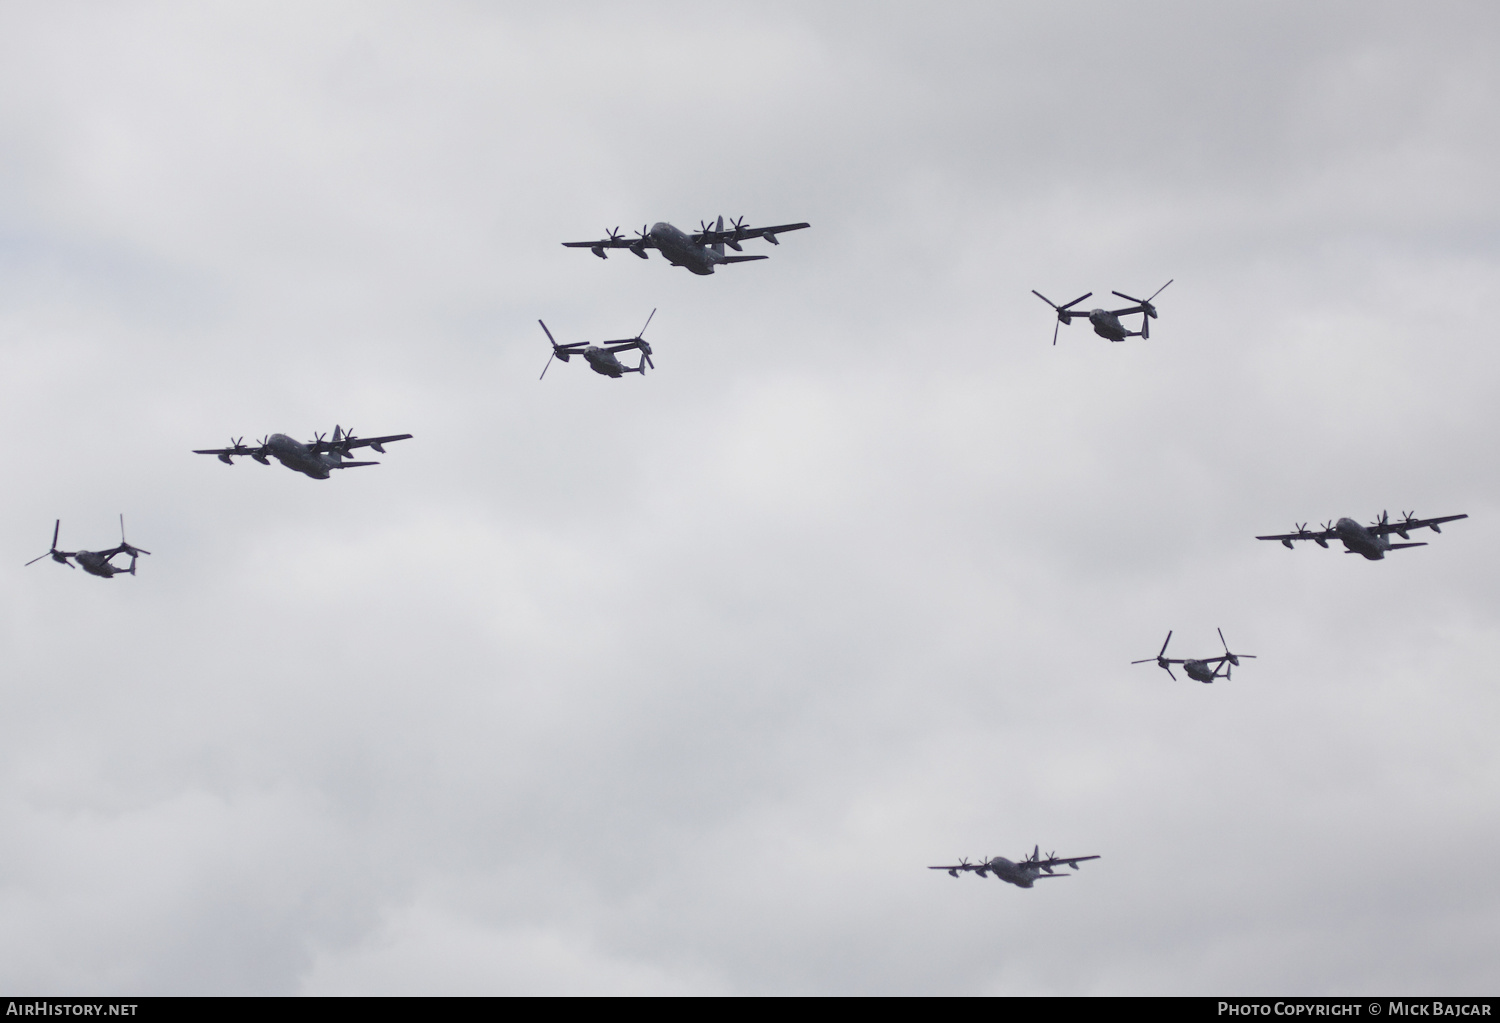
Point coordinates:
pixel 677 684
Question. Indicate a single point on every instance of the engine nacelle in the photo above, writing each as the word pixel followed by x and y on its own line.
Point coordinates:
pixel 770 238
pixel 226 459
pixel 598 250
pixel 1321 542
pixel 262 459
pixel 378 449
pixel 1434 528
pixel 1287 544
pixel 639 250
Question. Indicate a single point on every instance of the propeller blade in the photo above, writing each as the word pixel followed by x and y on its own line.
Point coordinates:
pixel 1128 297
pixel 1159 290
pixel 648 323
pixel 548 366
pixel 548 333
pixel 55 527
pixel 1055 328
pixel 1164 644
pixel 1169 672
pixel 34 560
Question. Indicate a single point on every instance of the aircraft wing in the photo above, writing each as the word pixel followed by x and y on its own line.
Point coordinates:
pixel 345 443
pixel 1406 525
pixel 1071 861
pixel 617 242
pixel 1306 534
pixel 740 234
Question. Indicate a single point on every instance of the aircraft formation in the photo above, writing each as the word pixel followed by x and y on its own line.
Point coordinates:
pixel 702 252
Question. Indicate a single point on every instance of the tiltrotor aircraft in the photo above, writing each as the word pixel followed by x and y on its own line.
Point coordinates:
pixel 700 252
pixel 1032 868
pixel 1107 321
pixel 1373 540
pixel 1201 669
pixel 601 358
pixel 93 562
pixel 316 459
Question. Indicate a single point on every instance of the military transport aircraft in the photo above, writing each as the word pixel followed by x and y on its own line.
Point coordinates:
pixel 93 562
pixel 1032 868
pixel 700 252
pixel 1201 669
pixel 1372 540
pixel 1107 321
pixel 315 459
pixel 601 358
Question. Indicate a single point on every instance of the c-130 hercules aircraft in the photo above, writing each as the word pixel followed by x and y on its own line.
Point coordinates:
pixel 700 252
pixel 1373 540
pixel 316 459
pixel 1032 868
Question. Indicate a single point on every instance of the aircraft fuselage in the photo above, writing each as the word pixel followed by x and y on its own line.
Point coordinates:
pixel 98 563
pixel 1019 874
pixel 603 361
pixel 1360 540
pixel 1201 671
pixel 679 249
pixel 1107 325
pixel 300 458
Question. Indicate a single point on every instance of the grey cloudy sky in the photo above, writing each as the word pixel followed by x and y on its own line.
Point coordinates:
pixel 676 684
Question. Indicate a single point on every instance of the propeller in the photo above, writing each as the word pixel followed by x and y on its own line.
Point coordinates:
pixel 639 248
pixel 615 235
pixel 1232 659
pixel 260 453
pixel 1407 518
pixel 234 449
pixel 559 352
pixel 61 557
pixel 126 547
pixel 1147 308
pixel 1064 313
pixel 736 225
pixel 1161 657
pixel 1050 856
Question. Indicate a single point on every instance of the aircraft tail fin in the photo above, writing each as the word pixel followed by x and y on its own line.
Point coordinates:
pixel 740 259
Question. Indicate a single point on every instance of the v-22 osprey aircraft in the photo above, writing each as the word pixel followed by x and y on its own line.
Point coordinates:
pixel 316 459
pixel 700 252
pixel 1106 322
pixel 94 562
pixel 1031 869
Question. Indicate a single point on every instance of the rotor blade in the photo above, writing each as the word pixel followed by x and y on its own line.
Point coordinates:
pixel 1164 644
pixel 648 323
pixel 1169 672
pixel 1044 298
pixel 549 336
pixel 1130 297
pixel 55 527
pixel 1055 328
pixel 1159 290
pixel 1080 298
pixel 548 366
pixel 34 560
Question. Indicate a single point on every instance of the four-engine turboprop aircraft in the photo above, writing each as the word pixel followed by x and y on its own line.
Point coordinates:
pixel 700 252
pixel 316 459
pixel 1107 321
pixel 1200 669
pixel 602 358
pixel 93 562
pixel 1032 868
pixel 1372 540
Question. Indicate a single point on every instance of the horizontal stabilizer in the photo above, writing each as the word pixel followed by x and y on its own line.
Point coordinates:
pixel 1398 546
pixel 351 465
pixel 1050 877
pixel 741 259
